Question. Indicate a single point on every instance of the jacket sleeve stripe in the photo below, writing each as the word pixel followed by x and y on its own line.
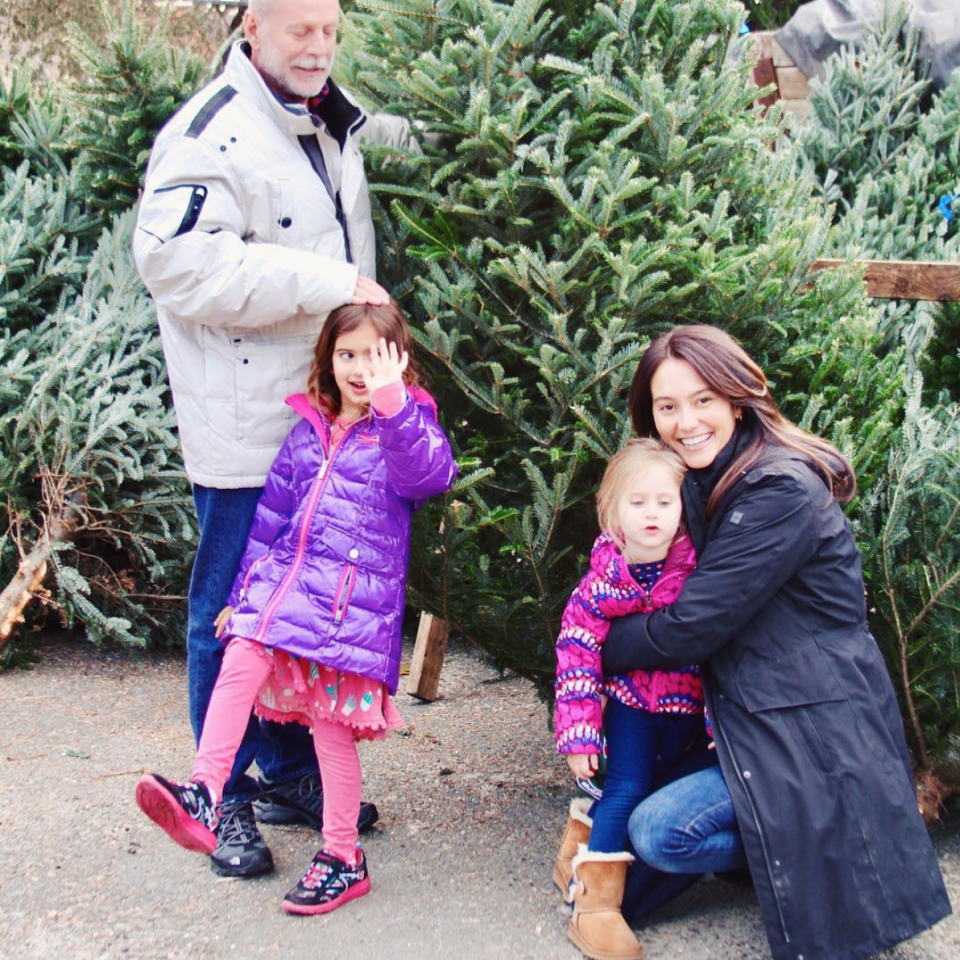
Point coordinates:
pixel 209 110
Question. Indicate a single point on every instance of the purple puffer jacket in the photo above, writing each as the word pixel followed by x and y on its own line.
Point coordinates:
pixel 324 572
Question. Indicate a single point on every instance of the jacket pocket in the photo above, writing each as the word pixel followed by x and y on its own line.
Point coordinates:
pixel 341 600
pixel 260 385
pixel 804 677
pixel 246 580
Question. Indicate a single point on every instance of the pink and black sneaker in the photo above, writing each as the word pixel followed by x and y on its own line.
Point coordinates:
pixel 184 810
pixel 328 883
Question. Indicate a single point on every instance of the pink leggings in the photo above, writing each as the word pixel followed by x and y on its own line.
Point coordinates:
pixel 245 668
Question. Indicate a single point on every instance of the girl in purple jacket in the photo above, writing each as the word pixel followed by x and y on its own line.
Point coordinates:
pixel 638 563
pixel 313 623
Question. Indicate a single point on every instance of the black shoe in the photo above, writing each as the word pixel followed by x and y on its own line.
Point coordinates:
pixel 241 851
pixel 184 810
pixel 328 883
pixel 301 801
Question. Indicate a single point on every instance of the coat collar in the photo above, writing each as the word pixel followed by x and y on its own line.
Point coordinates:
pixel 699 484
pixel 337 114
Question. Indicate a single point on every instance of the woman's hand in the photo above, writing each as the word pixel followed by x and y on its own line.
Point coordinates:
pixel 223 618
pixel 386 366
pixel 583 764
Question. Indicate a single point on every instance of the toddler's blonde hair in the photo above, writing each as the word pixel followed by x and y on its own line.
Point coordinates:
pixel 636 456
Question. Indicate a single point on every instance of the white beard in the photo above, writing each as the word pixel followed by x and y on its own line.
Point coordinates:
pixel 281 74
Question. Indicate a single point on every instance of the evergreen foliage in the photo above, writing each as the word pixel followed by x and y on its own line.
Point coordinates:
pixel 90 469
pixel 90 464
pixel 911 546
pixel 592 174
pixel 127 90
pixel 884 149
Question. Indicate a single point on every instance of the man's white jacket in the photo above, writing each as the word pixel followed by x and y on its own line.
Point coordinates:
pixel 240 241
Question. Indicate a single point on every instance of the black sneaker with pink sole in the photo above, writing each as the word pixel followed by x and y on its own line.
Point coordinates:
pixel 328 883
pixel 184 811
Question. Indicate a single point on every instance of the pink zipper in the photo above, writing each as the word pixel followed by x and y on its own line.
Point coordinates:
pixel 318 487
pixel 347 579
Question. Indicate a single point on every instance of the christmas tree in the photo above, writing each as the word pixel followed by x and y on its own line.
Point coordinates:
pixel 884 150
pixel 98 524
pixel 592 174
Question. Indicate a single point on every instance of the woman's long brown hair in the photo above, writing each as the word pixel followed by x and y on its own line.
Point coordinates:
pixel 388 320
pixel 727 369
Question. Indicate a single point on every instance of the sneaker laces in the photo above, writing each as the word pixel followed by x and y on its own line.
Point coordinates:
pixel 318 871
pixel 237 824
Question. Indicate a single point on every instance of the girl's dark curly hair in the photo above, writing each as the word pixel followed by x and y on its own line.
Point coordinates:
pixel 388 320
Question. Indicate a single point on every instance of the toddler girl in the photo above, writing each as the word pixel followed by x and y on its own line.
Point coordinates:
pixel 313 621
pixel 638 563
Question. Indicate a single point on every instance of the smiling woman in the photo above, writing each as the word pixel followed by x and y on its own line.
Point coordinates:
pixel 814 787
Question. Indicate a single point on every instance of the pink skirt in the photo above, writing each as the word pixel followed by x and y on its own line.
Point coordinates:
pixel 308 692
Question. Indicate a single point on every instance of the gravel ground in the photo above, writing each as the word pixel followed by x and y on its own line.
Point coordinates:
pixel 472 800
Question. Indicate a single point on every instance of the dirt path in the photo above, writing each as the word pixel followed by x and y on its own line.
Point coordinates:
pixel 472 799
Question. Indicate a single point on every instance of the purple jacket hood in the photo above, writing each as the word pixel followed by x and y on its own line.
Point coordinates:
pixel 324 572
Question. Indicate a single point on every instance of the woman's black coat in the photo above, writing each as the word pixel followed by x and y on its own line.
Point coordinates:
pixel 806 723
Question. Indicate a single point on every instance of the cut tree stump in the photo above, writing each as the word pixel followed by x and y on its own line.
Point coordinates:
pixel 428 654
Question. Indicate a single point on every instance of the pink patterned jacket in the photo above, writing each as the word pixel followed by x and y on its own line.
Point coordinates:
pixel 608 590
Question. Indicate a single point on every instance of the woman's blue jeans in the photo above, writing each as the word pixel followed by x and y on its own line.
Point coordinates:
pixel 283 752
pixel 638 744
pixel 683 830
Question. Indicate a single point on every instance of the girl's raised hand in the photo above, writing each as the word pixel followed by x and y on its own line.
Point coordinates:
pixel 386 365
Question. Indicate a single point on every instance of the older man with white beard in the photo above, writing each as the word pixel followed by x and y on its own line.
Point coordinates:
pixel 254 224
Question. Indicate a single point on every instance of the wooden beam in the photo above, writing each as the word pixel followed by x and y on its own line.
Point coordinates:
pixel 428 654
pixel 905 279
pixel 763 76
pixel 792 83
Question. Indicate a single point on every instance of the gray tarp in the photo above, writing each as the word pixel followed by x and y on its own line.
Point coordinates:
pixel 820 28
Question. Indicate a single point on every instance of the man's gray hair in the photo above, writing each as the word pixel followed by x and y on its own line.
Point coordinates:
pixel 258 8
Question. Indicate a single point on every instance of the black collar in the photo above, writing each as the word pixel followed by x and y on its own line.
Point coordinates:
pixel 699 484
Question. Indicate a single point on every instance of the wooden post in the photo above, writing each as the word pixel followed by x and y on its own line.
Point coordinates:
pixel 428 654
pixel 773 65
pixel 905 279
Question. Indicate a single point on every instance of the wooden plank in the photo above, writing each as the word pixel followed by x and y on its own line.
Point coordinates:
pixel 792 83
pixel 780 56
pixel 428 654
pixel 763 75
pixel 765 47
pixel 906 279
pixel 799 108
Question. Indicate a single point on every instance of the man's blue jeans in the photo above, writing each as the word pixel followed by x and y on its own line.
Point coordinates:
pixel 638 745
pixel 683 830
pixel 283 751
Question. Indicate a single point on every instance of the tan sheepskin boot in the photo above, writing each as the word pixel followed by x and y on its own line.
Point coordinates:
pixel 598 927
pixel 576 832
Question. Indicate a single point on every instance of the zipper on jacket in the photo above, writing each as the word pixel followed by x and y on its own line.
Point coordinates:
pixel 718 734
pixel 198 196
pixel 348 577
pixel 318 487
pixel 246 580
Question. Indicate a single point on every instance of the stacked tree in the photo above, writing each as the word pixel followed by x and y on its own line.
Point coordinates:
pixel 885 151
pixel 598 173
pixel 592 174
pixel 96 507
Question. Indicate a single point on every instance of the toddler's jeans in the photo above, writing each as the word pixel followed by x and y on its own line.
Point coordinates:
pixel 246 666
pixel 639 744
